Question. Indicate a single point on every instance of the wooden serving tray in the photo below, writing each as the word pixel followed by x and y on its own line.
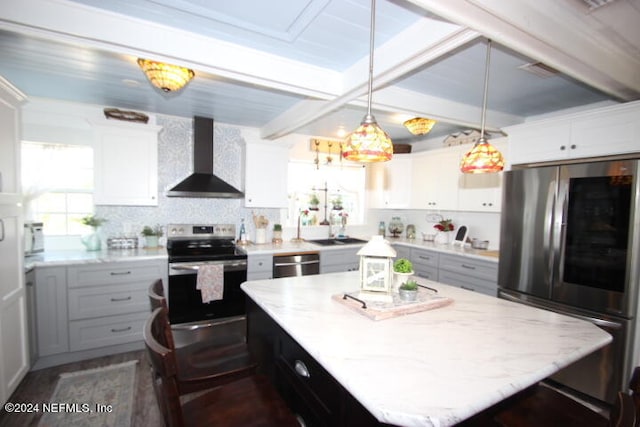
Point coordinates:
pixel 377 310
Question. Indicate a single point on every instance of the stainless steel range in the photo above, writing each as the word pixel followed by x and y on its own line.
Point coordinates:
pixel 191 246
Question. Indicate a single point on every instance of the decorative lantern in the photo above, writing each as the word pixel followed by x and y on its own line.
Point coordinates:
pixel 376 270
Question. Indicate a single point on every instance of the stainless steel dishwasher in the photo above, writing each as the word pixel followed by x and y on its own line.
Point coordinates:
pixel 289 265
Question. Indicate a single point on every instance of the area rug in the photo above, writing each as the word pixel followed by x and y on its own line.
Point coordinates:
pixel 100 397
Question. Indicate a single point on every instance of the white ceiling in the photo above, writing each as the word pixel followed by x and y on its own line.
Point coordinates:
pixel 300 66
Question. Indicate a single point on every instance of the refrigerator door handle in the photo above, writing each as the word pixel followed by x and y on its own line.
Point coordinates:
pixel 548 232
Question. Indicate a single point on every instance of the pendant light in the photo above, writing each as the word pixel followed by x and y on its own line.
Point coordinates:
pixel 369 143
pixel 483 157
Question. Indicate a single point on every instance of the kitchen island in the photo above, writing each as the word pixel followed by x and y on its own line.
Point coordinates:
pixel 433 368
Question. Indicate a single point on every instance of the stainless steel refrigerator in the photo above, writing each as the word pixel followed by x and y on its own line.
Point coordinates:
pixel 569 243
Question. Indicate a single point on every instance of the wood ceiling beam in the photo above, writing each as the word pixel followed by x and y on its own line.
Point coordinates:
pixel 422 43
pixel 555 33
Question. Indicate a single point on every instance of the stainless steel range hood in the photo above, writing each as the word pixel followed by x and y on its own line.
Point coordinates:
pixel 202 182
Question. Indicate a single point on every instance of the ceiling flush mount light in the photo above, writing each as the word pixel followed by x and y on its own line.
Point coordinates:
pixel 169 78
pixel 369 143
pixel 483 157
pixel 419 125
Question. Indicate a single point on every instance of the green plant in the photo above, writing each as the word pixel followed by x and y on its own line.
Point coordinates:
pixel 313 200
pixel 402 265
pixel 277 227
pixel 337 201
pixel 92 221
pixel 152 231
pixel 409 285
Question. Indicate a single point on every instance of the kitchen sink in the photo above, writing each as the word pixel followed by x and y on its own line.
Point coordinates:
pixel 338 241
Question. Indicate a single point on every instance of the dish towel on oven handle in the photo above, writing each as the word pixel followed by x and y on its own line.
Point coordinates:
pixel 210 282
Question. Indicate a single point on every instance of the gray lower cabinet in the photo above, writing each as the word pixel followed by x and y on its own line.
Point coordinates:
pixel 51 310
pixel 93 306
pixel 259 267
pixel 339 260
pixel 108 303
pixel 469 273
pixel 425 263
pixel 402 251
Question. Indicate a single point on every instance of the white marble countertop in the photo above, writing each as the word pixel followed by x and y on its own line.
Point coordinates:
pixel 72 257
pixel 309 246
pixel 434 368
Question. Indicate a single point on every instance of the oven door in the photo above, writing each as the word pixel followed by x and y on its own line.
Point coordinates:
pixel 185 301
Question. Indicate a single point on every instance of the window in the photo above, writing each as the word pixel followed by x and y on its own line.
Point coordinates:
pixel 57 182
pixel 343 188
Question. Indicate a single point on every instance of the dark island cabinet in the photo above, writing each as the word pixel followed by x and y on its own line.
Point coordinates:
pixel 309 390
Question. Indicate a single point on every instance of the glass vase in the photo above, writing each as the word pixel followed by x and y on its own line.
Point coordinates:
pixel 396 227
pixel 92 241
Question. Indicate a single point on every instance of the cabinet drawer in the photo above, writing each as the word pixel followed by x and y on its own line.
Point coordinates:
pixel 424 257
pixel 259 263
pixel 89 302
pixel 469 283
pixel 342 256
pixel 309 378
pixel 426 272
pixel 105 331
pixel 469 266
pixel 117 272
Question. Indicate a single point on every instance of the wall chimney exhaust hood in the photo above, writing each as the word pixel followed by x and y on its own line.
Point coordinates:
pixel 202 182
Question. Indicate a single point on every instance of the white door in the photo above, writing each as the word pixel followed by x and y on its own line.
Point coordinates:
pixel 14 357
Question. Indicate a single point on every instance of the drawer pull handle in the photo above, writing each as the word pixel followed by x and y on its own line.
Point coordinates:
pixel 121 273
pixel 301 369
pixel 121 299
pixel 128 328
pixel 424 257
pixel 467 288
pixel 470 267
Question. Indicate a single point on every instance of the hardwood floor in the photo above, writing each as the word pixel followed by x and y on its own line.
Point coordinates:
pixel 38 386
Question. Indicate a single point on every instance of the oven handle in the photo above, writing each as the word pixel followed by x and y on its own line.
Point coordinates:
pixel 193 267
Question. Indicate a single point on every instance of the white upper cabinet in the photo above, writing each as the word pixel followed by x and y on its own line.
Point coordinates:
pixel 266 171
pixel 389 183
pixel 126 163
pixel 435 177
pixel 10 101
pixel 600 132
pixel 482 192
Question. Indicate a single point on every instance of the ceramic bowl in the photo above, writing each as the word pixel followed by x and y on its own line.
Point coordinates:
pixel 479 244
pixel 428 237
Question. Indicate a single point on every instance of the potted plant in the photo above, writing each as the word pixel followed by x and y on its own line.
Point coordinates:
pixel 402 270
pixel 151 235
pixel 313 202
pixel 277 233
pixel 337 203
pixel 408 290
pixel 92 241
pixel 444 227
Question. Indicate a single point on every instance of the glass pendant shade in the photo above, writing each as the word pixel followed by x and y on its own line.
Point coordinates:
pixel 169 78
pixel 368 143
pixel 482 158
pixel 419 125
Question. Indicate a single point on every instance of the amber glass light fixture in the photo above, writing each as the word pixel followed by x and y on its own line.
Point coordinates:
pixel 168 77
pixel 369 143
pixel 483 157
pixel 419 125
